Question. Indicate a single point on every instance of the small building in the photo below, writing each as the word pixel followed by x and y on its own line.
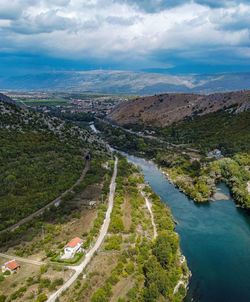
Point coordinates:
pixel 92 203
pixel 217 152
pixel 71 248
pixel 10 266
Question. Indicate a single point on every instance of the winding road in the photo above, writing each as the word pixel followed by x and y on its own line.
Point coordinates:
pixel 111 123
pixel 78 269
pixel 54 202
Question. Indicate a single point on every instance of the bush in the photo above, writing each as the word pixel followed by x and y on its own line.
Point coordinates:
pixel 116 225
pixel 113 243
pixel 1 278
pixel 130 268
pixel 2 298
pixel 19 293
pixel 43 269
pixel 41 298
pixel 6 273
pixel 99 296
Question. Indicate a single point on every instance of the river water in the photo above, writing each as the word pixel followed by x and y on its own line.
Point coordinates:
pixel 214 237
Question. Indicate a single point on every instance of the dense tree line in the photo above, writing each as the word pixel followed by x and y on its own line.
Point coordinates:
pixel 222 129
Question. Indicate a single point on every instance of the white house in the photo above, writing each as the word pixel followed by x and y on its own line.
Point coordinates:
pixel 10 266
pixel 71 248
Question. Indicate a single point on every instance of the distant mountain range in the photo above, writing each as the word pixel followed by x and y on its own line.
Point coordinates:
pixel 125 82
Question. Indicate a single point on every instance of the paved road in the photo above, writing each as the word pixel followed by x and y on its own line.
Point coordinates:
pixel 110 122
pixel 78 269
pixel 22 259
pixel 53 202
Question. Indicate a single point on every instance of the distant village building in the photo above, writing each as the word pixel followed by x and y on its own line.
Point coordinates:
pixel 217 152
pixel 71 248
pixel 10 266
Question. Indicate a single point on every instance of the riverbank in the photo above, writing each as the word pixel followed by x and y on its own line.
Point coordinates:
pixel 214 237
pixel 196 176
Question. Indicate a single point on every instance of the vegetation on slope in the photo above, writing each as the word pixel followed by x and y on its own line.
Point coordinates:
pixel 194 174
pixel 222 129
pixel 41 157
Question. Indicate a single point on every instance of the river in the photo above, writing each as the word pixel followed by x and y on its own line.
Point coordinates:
pixel 214 237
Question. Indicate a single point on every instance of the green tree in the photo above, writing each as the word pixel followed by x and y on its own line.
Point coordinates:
pixel 99 296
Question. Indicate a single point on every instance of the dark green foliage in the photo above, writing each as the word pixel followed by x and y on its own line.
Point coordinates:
pixel 222 129
pixel 165 247
pixel 36 169
pixel 234 173
pixel 2 298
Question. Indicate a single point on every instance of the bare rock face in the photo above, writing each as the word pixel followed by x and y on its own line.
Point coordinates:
pixel 165 109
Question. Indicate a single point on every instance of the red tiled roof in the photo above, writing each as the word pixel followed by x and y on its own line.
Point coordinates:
pixel 73 242
pixel 12 265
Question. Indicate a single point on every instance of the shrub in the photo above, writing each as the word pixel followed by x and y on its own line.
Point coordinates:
pixel 2 298
pixel 19 293
pixel 113 243
pixel 41 298
pixel 99 296
pixel 130 268
pixel 43 269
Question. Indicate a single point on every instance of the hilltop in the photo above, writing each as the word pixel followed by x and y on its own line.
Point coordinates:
pixel 165 109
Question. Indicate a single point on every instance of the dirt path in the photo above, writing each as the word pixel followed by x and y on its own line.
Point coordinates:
pixel 180 282
pixel 78 269
pixel 20 259
pixel 55 202
pixel 149 206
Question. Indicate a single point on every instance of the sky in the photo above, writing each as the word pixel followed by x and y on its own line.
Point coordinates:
pixel 168 36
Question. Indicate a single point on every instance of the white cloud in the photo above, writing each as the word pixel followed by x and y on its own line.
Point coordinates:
pixel 102 28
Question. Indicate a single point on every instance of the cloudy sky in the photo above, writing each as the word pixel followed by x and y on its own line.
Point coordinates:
pixel 175 36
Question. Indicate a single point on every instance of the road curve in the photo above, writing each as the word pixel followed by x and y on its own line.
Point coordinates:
pixel 103 232
pixel 53 202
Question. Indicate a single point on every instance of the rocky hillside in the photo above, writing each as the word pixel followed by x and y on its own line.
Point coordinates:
pixel 165 109
pixel 18 119
pixel 6 99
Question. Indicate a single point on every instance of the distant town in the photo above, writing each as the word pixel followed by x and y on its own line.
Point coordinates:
pixel 67 103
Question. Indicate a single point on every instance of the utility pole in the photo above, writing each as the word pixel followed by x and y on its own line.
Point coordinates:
pixel 42 232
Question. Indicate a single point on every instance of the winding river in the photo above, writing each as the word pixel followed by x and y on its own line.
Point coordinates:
pixel 214 237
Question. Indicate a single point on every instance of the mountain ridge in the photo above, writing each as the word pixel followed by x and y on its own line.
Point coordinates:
pixel 127 82
pixel 165 109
